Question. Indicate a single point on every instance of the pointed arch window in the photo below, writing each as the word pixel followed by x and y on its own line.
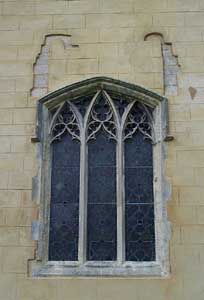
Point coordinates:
pixel 103 212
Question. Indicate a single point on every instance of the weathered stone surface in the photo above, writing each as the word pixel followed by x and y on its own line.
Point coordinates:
pixel 109 35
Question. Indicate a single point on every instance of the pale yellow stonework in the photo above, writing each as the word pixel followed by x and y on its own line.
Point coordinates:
pixel 110 39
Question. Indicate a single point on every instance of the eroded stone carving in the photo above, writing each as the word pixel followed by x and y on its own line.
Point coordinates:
pixel 40 67
pixel 170 65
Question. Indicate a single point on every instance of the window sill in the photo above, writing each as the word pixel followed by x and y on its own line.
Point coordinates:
pixel 98 269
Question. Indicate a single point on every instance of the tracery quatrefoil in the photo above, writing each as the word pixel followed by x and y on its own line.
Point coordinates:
pixel 101 117
pixel 64 121
pixel 139 119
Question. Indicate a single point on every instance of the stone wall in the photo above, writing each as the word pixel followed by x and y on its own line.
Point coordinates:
pixel 106 38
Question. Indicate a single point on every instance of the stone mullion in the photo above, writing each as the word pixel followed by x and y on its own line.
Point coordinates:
pixel 120 199
pixel 121 185
pixel 83 200
pixel 83 195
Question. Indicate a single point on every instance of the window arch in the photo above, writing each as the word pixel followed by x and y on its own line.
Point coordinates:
pixel 102 186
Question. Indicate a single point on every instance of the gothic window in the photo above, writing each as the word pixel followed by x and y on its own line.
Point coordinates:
pixel 101 190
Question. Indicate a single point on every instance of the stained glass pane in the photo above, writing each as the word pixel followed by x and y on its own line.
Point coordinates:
pixel 139 199
pixel 120 102
pixel 140 245
pixel 64 208
pixel 82 103
pixel 101 235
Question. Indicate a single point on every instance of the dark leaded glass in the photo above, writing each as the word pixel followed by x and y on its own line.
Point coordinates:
pixel 138 151
pixel 82 103
pixel 140 239
pixel 101 215
pixel 101 235
pixel 138 170
pixel 120 102
pixel 64 232
pixel 64 208
pixel 139 199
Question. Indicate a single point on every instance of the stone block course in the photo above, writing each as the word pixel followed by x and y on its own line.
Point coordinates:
pixel 51 7
pixel 92 51
pixel 28 52
pixel 183 177
pixel 81 36
pixel 169 19
pixel 117 35
pixel 10 198
pixel 19 216
pixel 147 5
pixel 9 236
pixel 29 162
pixel 85 6
pixel 5 143
pixel 8 286
pixel 10 130
pixel 18 8
pixel 185 34
pixel 82 66
pixel 200 215
pixel 176 234
pixel 2 215
pixel 25 236
pixel 20 180
pixel 4 176
pixel 24 116
pixel 192 234
pixel 24 83
pixel 184 5
pixel 181 215
pixel 9 23
pixel 194 19
pixel 21 144
pixel 182 266
pixel 68 21
pixel 14 259
pixel 199 172
pixel 197 111
pixel 192 64
pixel 6 116
pixel 117 6
pixel 6 85
pixel 9 162
pixel 57 66
pixel 191 195
pixel 36 289
pixel 16 38
pixel 191 158
pixel 118 20
pixel 11 98
pixel 35 22
pixel 8 53
pixel 15 69
pixel 119 65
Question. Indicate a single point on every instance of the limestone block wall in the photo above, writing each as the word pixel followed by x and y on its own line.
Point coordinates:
pixel 106 38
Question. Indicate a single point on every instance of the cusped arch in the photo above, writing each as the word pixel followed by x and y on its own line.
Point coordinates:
pixel 153 125
pixel 130 90
pixel 117 87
